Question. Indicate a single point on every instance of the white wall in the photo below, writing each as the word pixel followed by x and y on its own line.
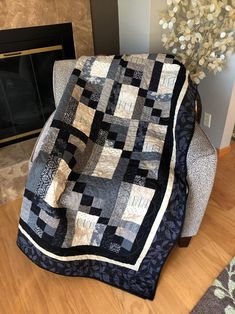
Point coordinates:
pixel 215 91
pixel 230 121
pixel 134 27
pixel 139 32
pixel 156 7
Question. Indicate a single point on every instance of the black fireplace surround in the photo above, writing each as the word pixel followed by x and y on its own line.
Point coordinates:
pixel 27 56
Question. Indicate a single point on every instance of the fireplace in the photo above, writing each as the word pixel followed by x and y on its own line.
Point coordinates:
pixel 27 56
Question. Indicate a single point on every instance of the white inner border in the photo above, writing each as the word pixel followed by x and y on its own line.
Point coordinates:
pixel 156 223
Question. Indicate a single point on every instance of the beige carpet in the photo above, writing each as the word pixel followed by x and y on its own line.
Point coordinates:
pixel 14 169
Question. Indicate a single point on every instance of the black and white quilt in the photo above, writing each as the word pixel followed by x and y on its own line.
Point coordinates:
pixel 106 193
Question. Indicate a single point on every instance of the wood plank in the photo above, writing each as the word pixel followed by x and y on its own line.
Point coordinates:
pixel 223 151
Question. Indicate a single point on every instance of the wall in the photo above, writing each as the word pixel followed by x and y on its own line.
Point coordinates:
pixel 215 91
pixel 24 13
pixel 140 32
pixel 134 28
pixel 156 7
pixel 230 121
pixel 105 17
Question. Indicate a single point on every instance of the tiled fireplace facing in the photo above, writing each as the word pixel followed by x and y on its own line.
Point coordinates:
pixel 27 56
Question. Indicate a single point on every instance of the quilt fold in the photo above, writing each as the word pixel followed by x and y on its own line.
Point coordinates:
pixel 106 193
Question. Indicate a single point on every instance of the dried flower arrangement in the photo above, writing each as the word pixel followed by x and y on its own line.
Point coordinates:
pixel 200 33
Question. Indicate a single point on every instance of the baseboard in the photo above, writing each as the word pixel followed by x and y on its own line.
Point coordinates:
pixel 223 151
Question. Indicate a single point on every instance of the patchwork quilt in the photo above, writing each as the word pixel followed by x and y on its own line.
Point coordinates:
pixel 106 193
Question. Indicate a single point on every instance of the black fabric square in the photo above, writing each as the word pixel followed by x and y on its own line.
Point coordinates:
pixel 130 174
pixel 41 224
pixel 153 86
pixel 134 162
pixel 119 145
pixel 129 72
pixel 150 183
pixel 149 102
pixel 110 230
pixel 117 239
pixel 72 163
pixel 86 200
pixel 142 172
pixel 105 126
pixel 95 211
pixel 103 220
pixel 76 72
pixel 141 132
pixel 170 56
pixel 123 63
pixel 96 126
pixel 71 148
pixel 126 154
pixel 156 112
pixel 86 93
pixel 93 104
pixel 112 136
pixel 108 236
pixel 61 143
pixel 35 209
pixel 81 82
pixel 113 99
pixel 73 176
pixel 135 82
pixel 143 92
pixel 164 121
pixel 79 187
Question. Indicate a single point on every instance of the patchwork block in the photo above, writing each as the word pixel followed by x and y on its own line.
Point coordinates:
pixel 138 203
pixel 84 118
pixel 126 101
pixel 107 163
pixel 84 228
pixel 100 68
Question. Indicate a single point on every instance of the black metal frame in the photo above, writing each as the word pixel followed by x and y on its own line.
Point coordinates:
pixel 37 37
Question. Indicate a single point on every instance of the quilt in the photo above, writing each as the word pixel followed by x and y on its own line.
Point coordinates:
pixel 106 193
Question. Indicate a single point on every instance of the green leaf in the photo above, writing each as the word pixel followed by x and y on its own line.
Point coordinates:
pixel 220 294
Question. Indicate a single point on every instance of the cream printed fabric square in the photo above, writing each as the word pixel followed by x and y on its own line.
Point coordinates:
pixel 168 78
pixel 107 162
pixel 154 139
pixel 84 228
pixel 138 204
pixel 84 118
pixel 131 135
pixel 58 184
pixel 100 68
pixel 126 101
pixel 77 92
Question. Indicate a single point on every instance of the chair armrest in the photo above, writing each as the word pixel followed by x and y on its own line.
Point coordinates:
pixel 201 162
pixel 61 74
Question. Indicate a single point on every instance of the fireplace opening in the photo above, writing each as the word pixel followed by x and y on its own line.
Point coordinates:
pixel 27 57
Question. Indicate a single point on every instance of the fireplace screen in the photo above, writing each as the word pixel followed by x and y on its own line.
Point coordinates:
pixel 27 56
pixel 26 93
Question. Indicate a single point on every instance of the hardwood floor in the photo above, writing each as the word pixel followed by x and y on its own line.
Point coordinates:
pixel 25 288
